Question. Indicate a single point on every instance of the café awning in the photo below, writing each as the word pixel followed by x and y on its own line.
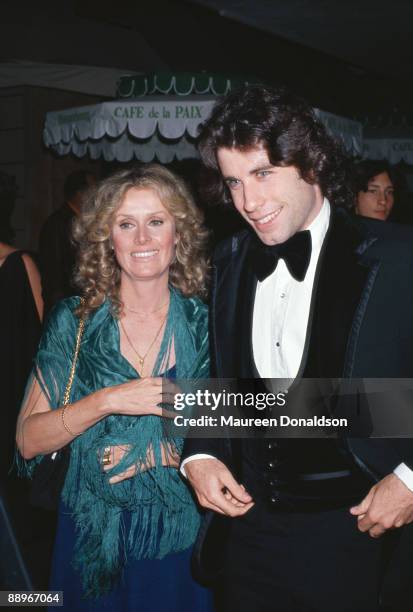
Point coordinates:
pixel 165 127
pixel 394 150
pixel 143 128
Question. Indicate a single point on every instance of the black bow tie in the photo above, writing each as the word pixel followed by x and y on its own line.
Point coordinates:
pixel 296 252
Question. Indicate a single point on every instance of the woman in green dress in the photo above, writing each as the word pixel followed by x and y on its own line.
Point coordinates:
pixel 127 520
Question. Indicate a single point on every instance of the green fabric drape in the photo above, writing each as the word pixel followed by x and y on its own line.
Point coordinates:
pixel 164 518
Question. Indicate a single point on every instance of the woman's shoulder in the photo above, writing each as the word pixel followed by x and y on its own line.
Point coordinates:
pixel 67 305
pixel 60 326
pixel 33 275
pixel 9 254
pixel 66 310
pixel 62 323
pixel 63 312
pixel 17 258
pixel 6 249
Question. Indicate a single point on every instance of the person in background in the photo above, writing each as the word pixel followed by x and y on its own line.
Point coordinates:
pixel 375 185
pixel 127 520
pixel 56 252
pixel 21 312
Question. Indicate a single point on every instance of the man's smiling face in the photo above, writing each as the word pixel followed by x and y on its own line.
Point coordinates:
pixel 274 200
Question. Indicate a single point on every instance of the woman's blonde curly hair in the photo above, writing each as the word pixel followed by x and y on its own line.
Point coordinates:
pixel 98 273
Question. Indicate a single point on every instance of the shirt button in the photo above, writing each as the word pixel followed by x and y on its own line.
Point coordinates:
pixel 273 500
pixel 277 344
pixel 283 295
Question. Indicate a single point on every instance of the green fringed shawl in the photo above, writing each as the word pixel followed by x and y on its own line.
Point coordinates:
pixel 164 518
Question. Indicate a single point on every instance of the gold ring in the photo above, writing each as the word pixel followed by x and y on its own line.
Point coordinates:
pixel 106 459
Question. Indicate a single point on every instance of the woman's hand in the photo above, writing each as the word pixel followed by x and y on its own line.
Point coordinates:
pixel 40 430
pixel 138 397
pixel 169 459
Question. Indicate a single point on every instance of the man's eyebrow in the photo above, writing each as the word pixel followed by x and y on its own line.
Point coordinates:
pixel 261 168
pixel 252 171
pixel 230 178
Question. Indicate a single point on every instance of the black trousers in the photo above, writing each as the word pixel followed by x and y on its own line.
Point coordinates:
pixel 302 562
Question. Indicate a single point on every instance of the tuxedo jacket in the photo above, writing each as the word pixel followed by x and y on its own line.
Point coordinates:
pixel 363 296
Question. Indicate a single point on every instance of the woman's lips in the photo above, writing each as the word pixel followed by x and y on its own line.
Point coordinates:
pixel 144 254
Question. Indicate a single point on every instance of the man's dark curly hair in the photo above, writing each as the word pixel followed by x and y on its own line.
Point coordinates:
pixel 288 129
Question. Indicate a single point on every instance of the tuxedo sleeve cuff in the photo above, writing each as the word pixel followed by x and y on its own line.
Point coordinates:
pixel 191 458
pixel 405 474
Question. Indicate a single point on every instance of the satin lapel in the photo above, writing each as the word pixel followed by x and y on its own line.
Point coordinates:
pixel 214 327
pixel 345 279
pixel 245 310
pixel 231 311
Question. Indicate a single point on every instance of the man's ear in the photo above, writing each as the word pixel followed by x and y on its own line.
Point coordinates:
pixel 309 177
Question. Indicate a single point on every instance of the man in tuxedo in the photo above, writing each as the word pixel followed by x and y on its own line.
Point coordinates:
pixel 307 291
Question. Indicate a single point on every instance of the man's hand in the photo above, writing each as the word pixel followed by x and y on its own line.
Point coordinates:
pixel 216 488
pixel 388 504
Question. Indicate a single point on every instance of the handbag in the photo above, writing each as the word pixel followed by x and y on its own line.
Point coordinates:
pixel 49 475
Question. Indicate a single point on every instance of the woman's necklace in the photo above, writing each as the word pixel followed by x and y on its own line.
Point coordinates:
pixel 145 314
pixel 140 357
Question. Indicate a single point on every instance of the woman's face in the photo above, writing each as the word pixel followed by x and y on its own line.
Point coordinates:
pixel 378 200
pixel 143 236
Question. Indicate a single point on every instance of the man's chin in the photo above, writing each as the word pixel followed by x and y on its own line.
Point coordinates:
pixel 270 238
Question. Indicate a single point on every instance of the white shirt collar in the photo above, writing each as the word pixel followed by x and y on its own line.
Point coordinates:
pixel 319 226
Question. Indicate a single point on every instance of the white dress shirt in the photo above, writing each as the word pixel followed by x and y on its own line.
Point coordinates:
pixel 282 304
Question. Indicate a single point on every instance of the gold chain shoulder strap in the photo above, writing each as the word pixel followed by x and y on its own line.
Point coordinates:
pixel 80 329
